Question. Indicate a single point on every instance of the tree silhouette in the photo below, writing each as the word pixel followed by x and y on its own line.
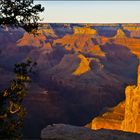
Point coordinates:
pixel 12 113
pixel 24 14
pixel 20 13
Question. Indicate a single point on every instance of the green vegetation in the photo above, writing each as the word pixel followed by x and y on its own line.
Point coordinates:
pixel 12 113
pixel 15 14
pixel 20 13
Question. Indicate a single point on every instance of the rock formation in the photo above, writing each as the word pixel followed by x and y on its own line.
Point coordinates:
pixel 126 115
pixel 131 120
pixel 83 40
pixel 133 30
pixel 83 66
pixel 131 43
pixel 39 40
pixel 69 132
pixel 120 34
pixel 84 30
pixel 112 119
pixel 31 40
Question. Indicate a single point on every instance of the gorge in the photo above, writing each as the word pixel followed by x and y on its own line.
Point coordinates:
pixel 82 70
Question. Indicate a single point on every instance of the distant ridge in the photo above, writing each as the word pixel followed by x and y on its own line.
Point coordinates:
pixel 97 24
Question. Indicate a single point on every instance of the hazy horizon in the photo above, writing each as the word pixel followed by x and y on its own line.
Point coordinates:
pixel 90 11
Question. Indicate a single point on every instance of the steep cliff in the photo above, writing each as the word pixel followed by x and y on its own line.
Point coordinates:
pixel 131 120
pixel 112 119
pixel 131 43
pixel 83 66
pixel 31 40
pixel 126 115
pixel 133 30
pixel 84 40
pixel 43 33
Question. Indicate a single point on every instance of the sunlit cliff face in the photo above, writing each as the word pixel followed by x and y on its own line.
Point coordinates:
pixel 134 31
pixel 83 66
pixel 37 40
pixel 79 41
pixel 31 40
pixel 126 115
pixel 132 43
pixel 82 41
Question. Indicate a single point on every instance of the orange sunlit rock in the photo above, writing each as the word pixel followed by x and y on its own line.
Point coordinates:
pixel 47 48
pixel 131 121
pixel 104 40
pixel 138 78
pixel 47 45
pixel 125 116
pixel 120 34
pixel 112 119
pixel 134 30
pixel 84 30
pixel 31 40
pixel 81 41
pixel 76 41
pixel 96 50
pixel 132 43
pixel 83 66
pixel 47 31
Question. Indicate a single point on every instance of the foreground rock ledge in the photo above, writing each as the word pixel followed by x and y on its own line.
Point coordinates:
pixel 69 132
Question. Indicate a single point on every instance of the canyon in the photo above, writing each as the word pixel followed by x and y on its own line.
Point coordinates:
pixel 82 69
pixel 125 116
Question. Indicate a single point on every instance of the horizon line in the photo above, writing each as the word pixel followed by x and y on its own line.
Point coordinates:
pixel 89 22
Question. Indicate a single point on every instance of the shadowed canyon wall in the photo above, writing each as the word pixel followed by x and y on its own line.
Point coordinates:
pixel 82 69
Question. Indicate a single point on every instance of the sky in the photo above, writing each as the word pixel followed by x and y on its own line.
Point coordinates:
pixel 90 11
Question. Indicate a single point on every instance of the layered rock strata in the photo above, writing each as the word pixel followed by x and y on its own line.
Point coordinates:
pixel 126 115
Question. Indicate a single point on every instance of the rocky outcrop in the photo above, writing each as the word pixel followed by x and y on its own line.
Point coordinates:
pixel 69 132
pixel 39 40
pixel 126 115
pixel 133 30
pixel 132 116
pixel 131 43
pixel 84 30
pixel 112 119
pixel 83 66
pixel 31 40
pixel 120 34
pixel 83 40
pixel 132 108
